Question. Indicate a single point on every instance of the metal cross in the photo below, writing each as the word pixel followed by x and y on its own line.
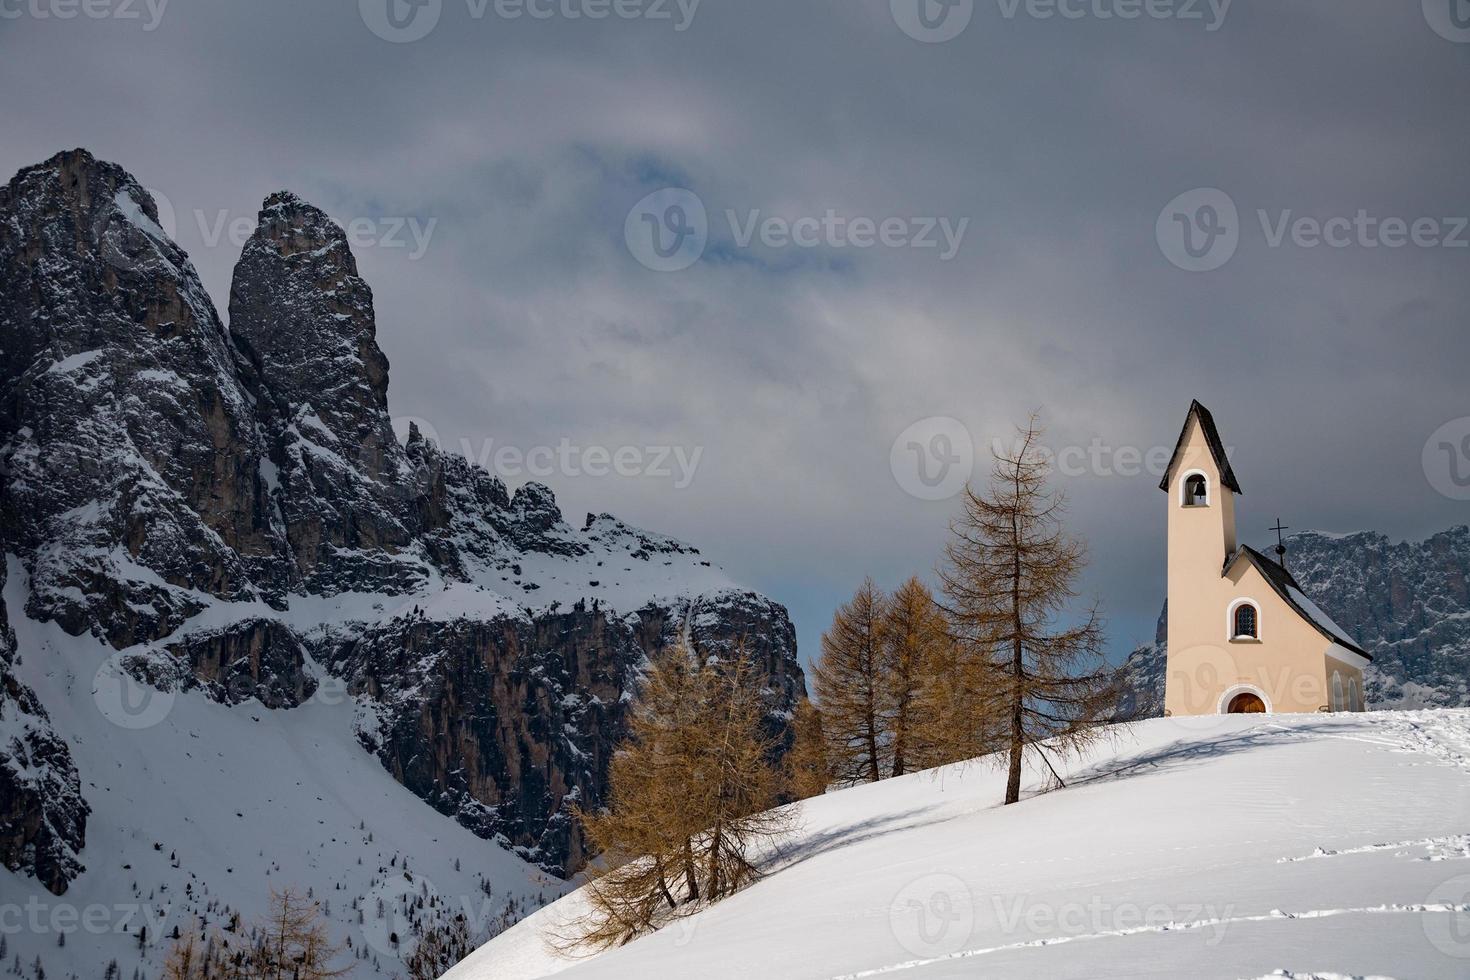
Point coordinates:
pixel 1280 542
pixel 1278 529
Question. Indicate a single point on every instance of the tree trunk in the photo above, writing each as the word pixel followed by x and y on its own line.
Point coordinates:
pixel 900 734
pixel 691 876
pixel 1018 672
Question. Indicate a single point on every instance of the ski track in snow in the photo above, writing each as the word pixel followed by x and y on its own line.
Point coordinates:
pixel 1441 849
pixel 1405 735
pixel 1195 924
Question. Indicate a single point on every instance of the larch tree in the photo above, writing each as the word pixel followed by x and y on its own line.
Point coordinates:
pixel 847 679
pixel 690 800
pixel 806 761
pixel 294 941
pixel 1008 579
pixel 954 718
pixel 186 961
pixel 740 786
pixel 913 635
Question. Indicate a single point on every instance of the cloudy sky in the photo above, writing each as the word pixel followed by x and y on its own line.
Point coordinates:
pixel 980 211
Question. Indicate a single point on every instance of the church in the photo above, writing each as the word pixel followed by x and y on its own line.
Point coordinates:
pixel 1242 635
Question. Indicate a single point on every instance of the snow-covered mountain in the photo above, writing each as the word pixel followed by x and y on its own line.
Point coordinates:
pixel 1406 602
pixel 224 571
pixel 1320 846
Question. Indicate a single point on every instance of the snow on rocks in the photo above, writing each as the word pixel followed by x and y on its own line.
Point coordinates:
pixel 227 517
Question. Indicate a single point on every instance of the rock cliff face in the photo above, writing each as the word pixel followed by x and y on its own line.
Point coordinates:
pixel 42 814
pixel 1407 603
pixel 232 510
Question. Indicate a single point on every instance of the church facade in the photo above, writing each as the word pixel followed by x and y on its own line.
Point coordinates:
pixel 1243 637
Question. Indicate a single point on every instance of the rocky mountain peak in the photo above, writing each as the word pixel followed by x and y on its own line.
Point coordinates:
pixel 128 446
pixel 303 321
pixel 297 305
pixel 224 507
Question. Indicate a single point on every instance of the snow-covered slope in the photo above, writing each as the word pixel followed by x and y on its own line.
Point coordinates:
pixel 1213 847
pixel 199 808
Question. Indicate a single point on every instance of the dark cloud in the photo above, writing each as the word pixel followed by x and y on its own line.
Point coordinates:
pixel 527 321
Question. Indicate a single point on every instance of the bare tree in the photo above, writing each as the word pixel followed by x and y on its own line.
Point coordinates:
pixel 1008 580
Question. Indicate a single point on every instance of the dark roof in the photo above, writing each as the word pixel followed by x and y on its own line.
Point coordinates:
pixel 1284 584
pixel 1212 437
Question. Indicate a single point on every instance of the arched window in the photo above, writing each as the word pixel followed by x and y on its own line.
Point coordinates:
pixel 1245 624
pixel 1336 691
pixel 1196 490
pixel 1353 703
